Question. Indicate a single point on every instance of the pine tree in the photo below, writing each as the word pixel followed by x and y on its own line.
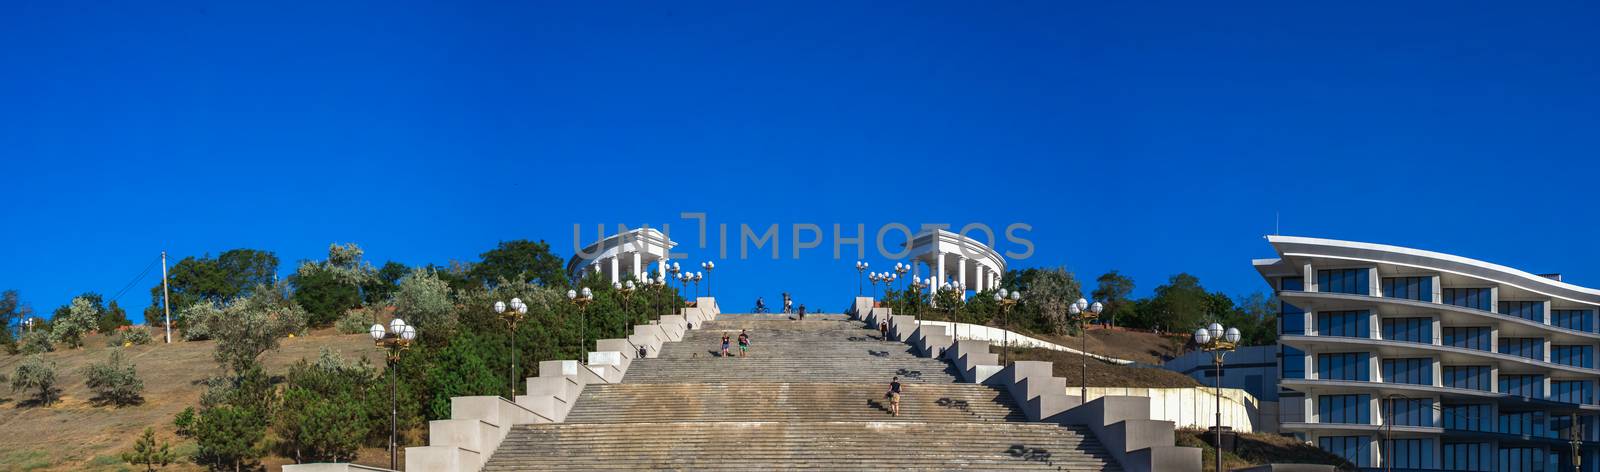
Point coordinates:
pixel 146 453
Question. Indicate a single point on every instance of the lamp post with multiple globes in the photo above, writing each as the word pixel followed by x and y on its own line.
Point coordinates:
pixel 1219 343
pixel 1082 312
pixel 583 312
pixel 861 267
pixel 512 313
pixel 626 289
pixel 393 339
pixel 1007 300
pixel 708 266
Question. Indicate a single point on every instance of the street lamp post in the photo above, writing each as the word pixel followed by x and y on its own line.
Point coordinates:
pixel 626 289
pixel 916 289
pixel 901 269
pixel 1218 342
pixel 512 313
pixel 583 317
pixel 1081 312
pixel 697 276
pixel 861 266
pixel 1006 301
pixel 395 338
pixel 708 266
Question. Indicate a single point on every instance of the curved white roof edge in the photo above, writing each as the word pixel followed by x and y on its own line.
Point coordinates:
pixel 946 236
pixel 1383 253
pixel 611 245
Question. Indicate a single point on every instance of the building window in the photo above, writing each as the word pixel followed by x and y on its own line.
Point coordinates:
pixel 1525 310
pixel 1476 337
pixel 1416 330
pixel 1409 411
pixel 1521 459
pixel 1532 348
pixel 1296 284
pixel 1529 423
pixel 1417 371
pixel 1474 377
pixel 1475 298
pixel 1576 356
pixel 1294 362
pixel 1580 320
pixel 1344 281
pixel 1343 366
pixel 1467 417
pixel 1350 324
pixel 1352 448
pixel 1410 288
pixel 1523 385
pixel 1411 453
pixel 1572 391
pixel 1344 409
pixel 1466 456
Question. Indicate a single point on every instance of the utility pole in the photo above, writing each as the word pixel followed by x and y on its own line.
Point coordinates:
pixel 166 305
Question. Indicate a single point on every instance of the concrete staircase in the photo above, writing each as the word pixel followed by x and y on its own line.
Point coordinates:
pixel 809 396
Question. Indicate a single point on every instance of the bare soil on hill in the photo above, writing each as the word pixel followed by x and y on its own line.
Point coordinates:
pixel 74 434
pixel 1101 374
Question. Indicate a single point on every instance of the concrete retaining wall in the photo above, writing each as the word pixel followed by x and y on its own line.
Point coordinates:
pixel 1136 439
pixel 1195 407
pixel 478 424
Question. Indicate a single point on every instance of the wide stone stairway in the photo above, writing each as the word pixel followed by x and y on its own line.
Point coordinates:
pixel 809 396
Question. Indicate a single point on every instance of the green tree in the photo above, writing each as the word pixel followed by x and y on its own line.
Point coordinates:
pixel 381 286
pixel 324 294
pixel 148 454
pixel 322 416
pixel 77 319
pixel 111 318
pixel 115 382
pixel 35 373
pixel 424 301
pixel 1181 305
pixel 12 312
pixel 1114 291
pixel 462 368
pixel 1256 316
pixel 253 325
pixel 36 342
pixel 520 260
pixel 1046 293
pixel 229 437
pixel 230 275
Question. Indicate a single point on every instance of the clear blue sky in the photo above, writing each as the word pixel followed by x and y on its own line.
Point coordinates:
pixel 1150 138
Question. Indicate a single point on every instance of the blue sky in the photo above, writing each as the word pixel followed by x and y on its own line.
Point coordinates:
pixel 1150 138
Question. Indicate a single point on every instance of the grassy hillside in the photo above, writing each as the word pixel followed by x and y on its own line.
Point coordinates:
pixel 73 434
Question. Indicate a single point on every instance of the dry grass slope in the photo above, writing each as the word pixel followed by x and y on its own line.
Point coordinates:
pixel 73 434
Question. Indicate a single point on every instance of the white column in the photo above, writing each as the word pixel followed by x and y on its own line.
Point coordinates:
pixel 661 266
pixel 615 274
pixel 983 277
pixel 961 274
pixel 940 256
pixel 638 267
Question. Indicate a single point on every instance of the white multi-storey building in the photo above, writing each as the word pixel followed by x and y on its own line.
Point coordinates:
pixel 1391 356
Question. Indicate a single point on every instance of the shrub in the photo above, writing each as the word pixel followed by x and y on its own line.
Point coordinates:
pixel 356 321
pixel 36 342
pixel 197 320
pixel 114 382
pixel 146 453
pixel 133 335
pixel 322 416
pixel 184 423
pixel 37 373
pixel 80 318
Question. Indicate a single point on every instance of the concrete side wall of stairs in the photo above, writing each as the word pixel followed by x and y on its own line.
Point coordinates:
pixel 1122 423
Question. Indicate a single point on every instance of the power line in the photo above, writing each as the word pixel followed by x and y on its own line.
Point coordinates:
pixel 135 280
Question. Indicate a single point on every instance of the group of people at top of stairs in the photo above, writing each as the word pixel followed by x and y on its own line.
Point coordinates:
pixel 744 343
pixel 788 306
